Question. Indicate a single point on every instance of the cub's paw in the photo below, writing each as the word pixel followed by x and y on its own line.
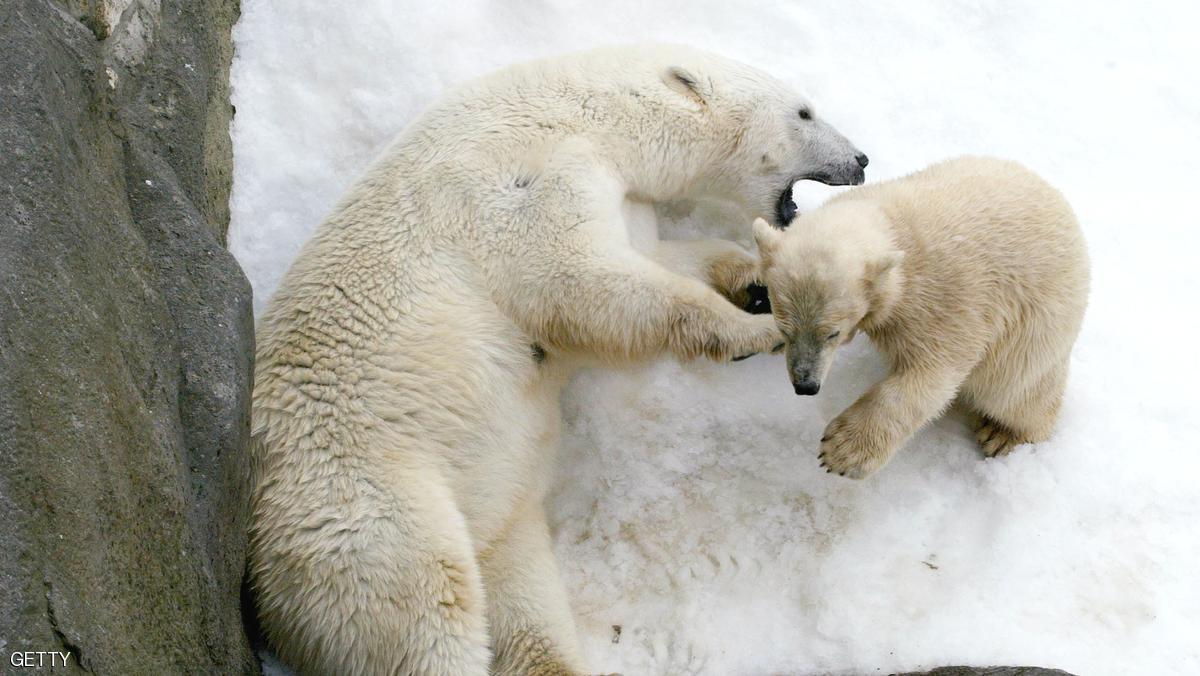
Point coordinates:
pixel 732 274
pixel 995 439
pixel 851 450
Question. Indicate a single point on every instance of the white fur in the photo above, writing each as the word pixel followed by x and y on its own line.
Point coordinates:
pixel 405 429
pixel 972 276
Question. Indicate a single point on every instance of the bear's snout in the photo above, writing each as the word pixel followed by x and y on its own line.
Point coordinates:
pixel 804 383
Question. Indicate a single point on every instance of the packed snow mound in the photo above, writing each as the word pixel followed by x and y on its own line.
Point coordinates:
pixel 691 512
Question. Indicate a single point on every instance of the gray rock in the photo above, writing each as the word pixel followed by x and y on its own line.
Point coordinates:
pixel 126 339
pixel 988 671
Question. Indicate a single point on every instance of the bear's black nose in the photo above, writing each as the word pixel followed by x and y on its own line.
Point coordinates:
pixel 862 160
pixel 807 387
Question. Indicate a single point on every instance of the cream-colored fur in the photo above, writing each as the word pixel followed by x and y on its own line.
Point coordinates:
pixel 971 276
pixel 408 371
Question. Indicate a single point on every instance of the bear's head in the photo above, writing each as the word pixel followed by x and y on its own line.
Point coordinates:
pixel 768 137
pixel 834 272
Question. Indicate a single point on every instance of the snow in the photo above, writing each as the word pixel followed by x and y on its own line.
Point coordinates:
pixel 690 508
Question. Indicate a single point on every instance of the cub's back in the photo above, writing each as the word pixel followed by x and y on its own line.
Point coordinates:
pixel 988 223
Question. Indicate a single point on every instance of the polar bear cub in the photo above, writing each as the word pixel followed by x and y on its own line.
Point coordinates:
pixel 971 276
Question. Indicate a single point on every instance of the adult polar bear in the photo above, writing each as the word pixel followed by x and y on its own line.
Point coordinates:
pixel 409 367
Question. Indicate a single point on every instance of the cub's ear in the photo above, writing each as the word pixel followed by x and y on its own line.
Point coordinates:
pixel 882 265
pixel 684 82
pixel 767 237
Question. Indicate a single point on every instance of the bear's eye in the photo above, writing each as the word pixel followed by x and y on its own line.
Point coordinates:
pixel 805 114
pixel 833 335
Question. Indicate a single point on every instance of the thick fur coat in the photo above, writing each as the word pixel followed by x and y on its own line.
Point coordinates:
pixel 406 409
pixel 971 276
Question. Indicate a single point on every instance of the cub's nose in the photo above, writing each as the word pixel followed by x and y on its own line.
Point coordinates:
pixel 862 160
pixel 807 387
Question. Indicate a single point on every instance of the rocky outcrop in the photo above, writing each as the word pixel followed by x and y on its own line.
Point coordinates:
pixel 126 339
pixel 988 671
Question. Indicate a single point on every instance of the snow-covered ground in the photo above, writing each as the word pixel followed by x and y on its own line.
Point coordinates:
pixel 691 510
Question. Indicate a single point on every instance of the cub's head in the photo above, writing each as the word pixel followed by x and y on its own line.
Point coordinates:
pixel 771 137
pixel 833 272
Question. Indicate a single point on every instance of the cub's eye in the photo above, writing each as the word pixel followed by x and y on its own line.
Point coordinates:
pixel 833 335
pixel 805 114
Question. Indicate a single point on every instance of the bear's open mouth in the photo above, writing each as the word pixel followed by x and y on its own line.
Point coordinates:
pixel 847 176
pixel 785 208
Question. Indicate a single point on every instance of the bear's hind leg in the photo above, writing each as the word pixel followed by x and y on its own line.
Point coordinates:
pixel 1009 420
pixel 994 438
pixel 533 633
pixel 371 575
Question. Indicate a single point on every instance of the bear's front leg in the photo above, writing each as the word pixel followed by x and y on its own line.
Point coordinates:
pixel 855 444
pixel 572 280
pixel 864 437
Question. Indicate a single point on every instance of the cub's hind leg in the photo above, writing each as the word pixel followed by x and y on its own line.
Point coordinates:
pixel 1018 413
pixel 994 438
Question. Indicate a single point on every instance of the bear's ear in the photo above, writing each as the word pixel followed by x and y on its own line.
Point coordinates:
pixel 684 82
pixel 882 265
pixel 767 237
